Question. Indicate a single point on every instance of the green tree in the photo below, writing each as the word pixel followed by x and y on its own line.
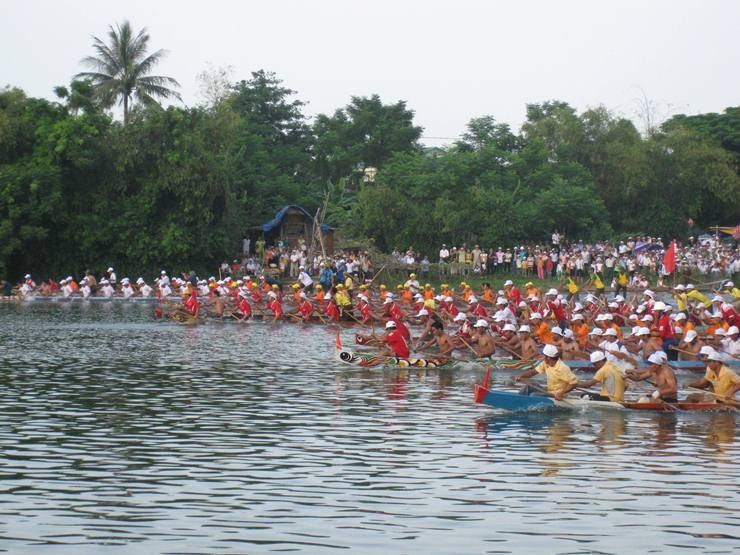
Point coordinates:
pixel 121 69
pixel 364 133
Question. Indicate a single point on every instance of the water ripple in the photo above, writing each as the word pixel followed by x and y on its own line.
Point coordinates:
pixel 120 434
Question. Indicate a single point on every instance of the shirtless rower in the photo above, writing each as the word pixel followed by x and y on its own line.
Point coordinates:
pixel 570 348
pixel 484 344
pixel 527 345
pixel 690 346
pixel 663 376
pixel 443 341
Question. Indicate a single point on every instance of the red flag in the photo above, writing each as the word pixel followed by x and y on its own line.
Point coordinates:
pixel 339 341
pixel 669 259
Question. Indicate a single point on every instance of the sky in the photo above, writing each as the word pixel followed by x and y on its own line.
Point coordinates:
pixel 450 61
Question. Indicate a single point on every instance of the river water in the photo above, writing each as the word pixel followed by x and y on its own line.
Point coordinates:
pixel 120 434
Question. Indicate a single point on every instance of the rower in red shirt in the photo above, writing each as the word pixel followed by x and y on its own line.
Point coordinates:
pixel 243 307
pixel 275 306
pixel 305 308
pixel 512 292
pixel 396 343
pixel 666 330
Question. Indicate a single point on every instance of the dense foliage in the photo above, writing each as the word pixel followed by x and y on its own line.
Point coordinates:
pixel 180 187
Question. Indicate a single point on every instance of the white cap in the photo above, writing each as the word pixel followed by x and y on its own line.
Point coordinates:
pixel 635 330
pixel 140 280
pixel 599 318
pixel 472 299
pixel 535 316
pixel 608 316
pixel 557 330
pixel 501 300
pixel 714 355
pixel 597 356
pixel 729 284
pixel 522 304
pixel 509 327
pixel 110 269
pixel 647 318
pixel 706 350
pixel 460 317
pixel 690 286
pixel 632 317
pixel 498 317
pixel 644 331
pixel 422 312
pixel 27 276
pixel 525 328
pixel 388 300
pixel 610 331
pixel 550 350
pixel 577 317
pixel 720 332
pixel 680 316
pixel 360 296
pixel 508 282
pixel 718 299
pixel 690 336
pixel 649 293
pixel 439 297
pixel 613 305
pixel 481 324
pixel 163 273
pixel 419 297
pixel 449 300
pixel 577 307
pixel 658 357
pixel 619 299
pixel 390 324
pixel 272 294
pixel 679 287
pixel 552 291
pixel 596 331
pixel 568 334
pixel 732 329
pixel 659 305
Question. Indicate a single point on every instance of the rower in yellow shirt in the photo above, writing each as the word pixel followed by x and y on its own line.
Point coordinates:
pixel 724 382
pixel 609 376
pixel 560 378
pixel 692 293
pixel 730 289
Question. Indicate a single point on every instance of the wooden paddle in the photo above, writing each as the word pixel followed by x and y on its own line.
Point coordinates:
pixel 722 398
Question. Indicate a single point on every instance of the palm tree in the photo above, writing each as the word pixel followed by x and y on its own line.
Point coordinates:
pixel 121 67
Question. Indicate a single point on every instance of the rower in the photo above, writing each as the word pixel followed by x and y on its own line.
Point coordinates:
pixel 724 382
pixel 570 348
pixel 609 376
pixel 616 353
pixel 527 345
pixel 397 345
pixel 663 375
pixel 443 341
pixel 690 346
pixel 541 330
pixel 560 378
pixel 485 344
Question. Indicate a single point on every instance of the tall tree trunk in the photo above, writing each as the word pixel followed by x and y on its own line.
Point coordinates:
pixel 125 109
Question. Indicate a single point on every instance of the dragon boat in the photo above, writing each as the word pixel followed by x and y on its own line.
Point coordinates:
pixel 514 401
pixel 364 359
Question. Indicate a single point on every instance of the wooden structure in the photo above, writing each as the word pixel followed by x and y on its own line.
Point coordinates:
pixel 292 224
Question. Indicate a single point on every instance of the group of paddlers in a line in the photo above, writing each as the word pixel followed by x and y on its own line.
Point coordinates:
pixel 526 324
